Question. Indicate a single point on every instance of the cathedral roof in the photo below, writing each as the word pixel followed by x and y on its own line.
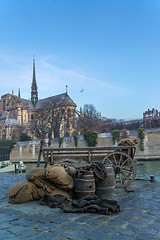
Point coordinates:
pixel 3 115
pixel 55 101
pixel 26 103
pixel 11 121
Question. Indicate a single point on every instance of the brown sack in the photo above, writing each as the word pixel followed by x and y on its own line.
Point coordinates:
pixel 23 192
pixel 61 192
pixel 126 142
pixel 41 192
pixel 46 185
pixel 59 176
pixel 71 171
pixel 67 187
pixel 36 173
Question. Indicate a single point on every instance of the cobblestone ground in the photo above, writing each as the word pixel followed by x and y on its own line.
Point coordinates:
pixel 139 217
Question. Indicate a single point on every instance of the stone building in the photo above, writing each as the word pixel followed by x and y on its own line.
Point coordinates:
pixel 19 115
pixel 151 118
pixel 150 114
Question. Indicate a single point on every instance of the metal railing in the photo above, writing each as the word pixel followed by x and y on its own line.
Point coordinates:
pixel 4 154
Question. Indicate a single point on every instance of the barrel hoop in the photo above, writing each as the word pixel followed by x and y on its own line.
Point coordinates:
pixel 84 191
pixel 105 188
pixel 85 180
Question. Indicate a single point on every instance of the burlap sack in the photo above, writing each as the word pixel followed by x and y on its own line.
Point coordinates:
pixel 67 187
pixel 61 192
pixel 71 171
pixel 23 192
pixel 36 173
pixel 46 185
pixel 41 192
pixel 60 177
pixel 126 142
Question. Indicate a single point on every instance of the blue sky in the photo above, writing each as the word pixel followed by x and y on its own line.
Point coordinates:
pixel 109 48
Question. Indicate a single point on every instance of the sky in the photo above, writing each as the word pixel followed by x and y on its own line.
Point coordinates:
pixel 106 51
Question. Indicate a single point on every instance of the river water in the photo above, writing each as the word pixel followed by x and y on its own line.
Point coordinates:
pixel 149 168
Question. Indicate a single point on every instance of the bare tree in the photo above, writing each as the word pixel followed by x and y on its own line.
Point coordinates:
pixel 89 119
pixel 112 124
pixel 47 120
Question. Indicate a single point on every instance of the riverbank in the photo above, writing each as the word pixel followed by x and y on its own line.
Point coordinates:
pixel 139 217
pixel 29 151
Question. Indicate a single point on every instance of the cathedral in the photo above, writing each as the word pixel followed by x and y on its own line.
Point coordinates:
pixel 18 115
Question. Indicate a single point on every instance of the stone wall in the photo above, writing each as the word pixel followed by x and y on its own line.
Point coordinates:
pixel 28 151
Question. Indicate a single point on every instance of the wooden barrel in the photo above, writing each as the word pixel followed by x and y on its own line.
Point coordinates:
pixel 84 185
pixel 105 188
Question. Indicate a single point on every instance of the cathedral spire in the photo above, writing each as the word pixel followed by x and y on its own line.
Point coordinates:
pixel 34 92
pixel 19 93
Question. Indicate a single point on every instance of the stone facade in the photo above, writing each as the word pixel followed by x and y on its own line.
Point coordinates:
pixel 151 118
pixel 19 115
pixel 151 114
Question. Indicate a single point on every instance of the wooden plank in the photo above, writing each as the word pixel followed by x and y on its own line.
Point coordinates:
pixel 88 148
pixel 51 154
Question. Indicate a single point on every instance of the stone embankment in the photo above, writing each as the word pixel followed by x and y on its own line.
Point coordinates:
pixel 28 151
pixel 138 219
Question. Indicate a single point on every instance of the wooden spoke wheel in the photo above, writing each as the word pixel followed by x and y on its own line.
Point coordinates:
pixel 124 168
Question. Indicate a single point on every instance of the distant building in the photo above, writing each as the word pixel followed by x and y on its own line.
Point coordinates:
pixel 151 114
pixel 19 115
pixel 151 118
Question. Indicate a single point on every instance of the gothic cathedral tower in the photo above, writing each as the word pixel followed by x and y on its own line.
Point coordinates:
pixel 34 92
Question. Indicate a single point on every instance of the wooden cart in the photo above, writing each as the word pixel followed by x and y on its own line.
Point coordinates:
pixel 121 158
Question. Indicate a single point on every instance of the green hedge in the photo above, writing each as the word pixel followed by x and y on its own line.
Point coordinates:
pixel 24 137
pixel 75 140
pixel 115 136
pixel 91 138
pixel 60 141
pixel 7 143
pixel 141 135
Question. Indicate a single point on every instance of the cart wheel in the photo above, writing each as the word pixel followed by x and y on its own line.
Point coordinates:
pixel 124 168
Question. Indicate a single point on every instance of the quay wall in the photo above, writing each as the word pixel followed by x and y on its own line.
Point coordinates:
pixel 28 151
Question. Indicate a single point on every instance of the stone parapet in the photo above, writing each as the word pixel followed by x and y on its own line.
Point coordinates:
pixel 28 151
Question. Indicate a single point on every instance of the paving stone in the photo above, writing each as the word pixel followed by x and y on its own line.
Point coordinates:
pixel 130 188
pixel 5 225
pixel 46 226
pixel 120 237
pixel 149 231
pixel 46 236
pixel 5 234
pixel 139 217
pixel 95 235
pixel 73 234
pixel 30 234
pixel 17 222
pixel 69 224
pixel 96 222
pixel 13 238
pixel 39 219
pixel 107 229
pixel 27 223
pixel 58 220
pixel 143 237
pixel 10 218
pixel 16 229
pixel 127 232
pixel 85 217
